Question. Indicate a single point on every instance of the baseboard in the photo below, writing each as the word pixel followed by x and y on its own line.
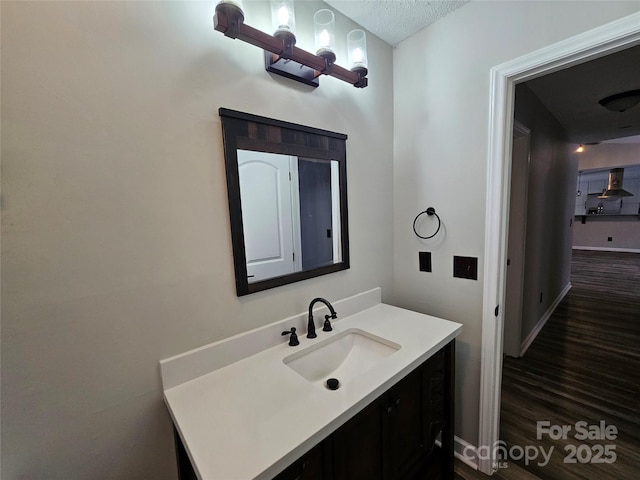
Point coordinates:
pixel 465 452
pixel 526 343
pixel 608 249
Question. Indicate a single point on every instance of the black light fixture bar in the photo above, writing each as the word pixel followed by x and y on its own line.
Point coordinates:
pixel 230 21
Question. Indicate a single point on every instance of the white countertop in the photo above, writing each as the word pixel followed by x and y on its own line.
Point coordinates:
pixel 252 418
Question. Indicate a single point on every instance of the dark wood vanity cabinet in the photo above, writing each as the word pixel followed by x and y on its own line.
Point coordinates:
pixel 387 439
pixel 409 439
pixel 392 438
pixel 357 447
pixel 313 465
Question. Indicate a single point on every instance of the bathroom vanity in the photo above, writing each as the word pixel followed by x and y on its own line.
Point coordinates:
pixel 394 435
pixel 254 407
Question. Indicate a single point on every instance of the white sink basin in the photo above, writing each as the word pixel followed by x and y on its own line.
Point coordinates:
pixel 343 356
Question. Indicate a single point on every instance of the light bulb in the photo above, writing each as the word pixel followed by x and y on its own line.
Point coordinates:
pixel 357 55
pixel 580 149
pixel 283 15
pixel 324 38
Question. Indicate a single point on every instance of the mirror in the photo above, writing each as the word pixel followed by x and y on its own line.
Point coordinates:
pixel 286 185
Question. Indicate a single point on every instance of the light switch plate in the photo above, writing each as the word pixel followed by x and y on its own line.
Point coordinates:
pixel 424 261
pixel 465 267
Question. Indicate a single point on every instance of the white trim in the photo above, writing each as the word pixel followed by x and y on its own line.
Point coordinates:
pixel 294 181
pixel 600 41
pixel 461 450
pixel 526 343
pixel 521 128
pixel 516 327
pixel 501 100
pixel 336 233
pixel 609 249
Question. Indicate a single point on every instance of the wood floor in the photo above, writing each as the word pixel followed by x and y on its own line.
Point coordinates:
pixel 583 366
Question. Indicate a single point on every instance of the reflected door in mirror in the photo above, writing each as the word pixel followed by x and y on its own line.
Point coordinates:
pixel 266 198
pixel 290 212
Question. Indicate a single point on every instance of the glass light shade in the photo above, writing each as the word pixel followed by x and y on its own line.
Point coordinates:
pixel 324 26
pixel 357 49
pixel 233 3
pixel 283 16
pixel 237 3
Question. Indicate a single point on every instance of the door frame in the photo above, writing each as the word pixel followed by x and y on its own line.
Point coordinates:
pixel 514 282
pixel 603 40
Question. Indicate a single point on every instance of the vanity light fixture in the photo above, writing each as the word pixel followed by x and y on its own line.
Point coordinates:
pixel 281 54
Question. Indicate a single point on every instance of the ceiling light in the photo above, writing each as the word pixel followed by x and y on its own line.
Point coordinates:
pixel 621 102
pixel 281 54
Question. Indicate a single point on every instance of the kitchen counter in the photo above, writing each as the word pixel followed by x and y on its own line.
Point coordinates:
pixel 253 417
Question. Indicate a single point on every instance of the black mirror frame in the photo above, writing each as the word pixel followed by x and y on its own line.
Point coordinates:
pixel 252 132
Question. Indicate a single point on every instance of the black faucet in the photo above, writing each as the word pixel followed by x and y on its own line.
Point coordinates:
pixel 311 328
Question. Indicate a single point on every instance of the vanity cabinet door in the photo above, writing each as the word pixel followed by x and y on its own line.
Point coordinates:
pixel 359 446
pixel 309 467
pixel 439 395
pixel 408 436
pixel 434 397
pixel 392 438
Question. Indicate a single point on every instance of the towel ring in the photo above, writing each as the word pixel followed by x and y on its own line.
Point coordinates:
pixel 430 212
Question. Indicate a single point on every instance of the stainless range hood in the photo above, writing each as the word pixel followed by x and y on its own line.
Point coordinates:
pixel 614 189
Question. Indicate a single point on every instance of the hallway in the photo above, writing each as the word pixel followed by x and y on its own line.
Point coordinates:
pixel 584 366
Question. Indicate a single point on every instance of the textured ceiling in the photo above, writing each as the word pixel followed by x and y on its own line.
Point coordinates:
pixel 572 96
pixel 395 20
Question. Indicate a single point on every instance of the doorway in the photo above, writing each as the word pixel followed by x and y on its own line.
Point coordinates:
pixel 315 213
pixel 609 38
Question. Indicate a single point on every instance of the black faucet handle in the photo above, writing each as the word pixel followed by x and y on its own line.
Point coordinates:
pixel 293 339
pixel 327 324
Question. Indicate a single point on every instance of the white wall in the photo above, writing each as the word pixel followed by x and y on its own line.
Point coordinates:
pixel 116 248
pixel 609 155
pixel 441 98
pixel 594 234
